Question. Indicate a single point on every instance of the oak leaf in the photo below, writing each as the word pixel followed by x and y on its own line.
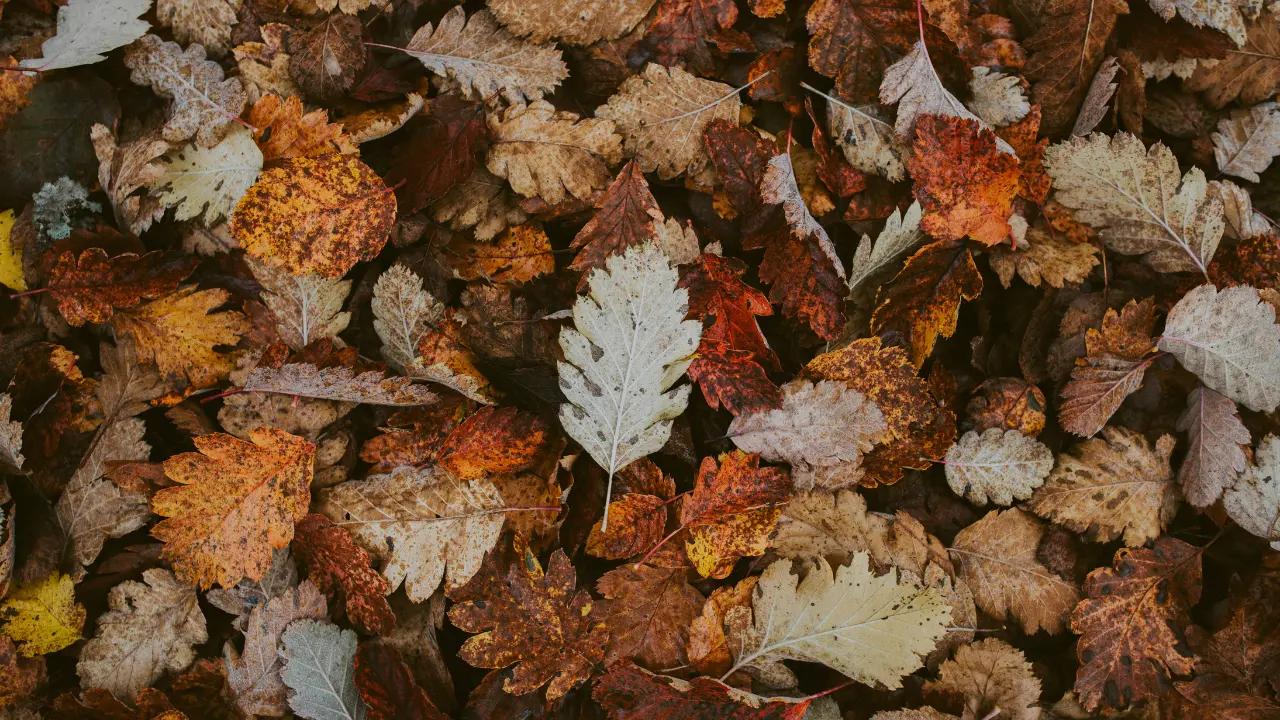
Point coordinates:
pixel 1133 196
pixel 315 215
pixel 923 300
pixel 1113 486
pixel 87 30
pixel 43 616
pixel 422 526
pixel 494 440
pixel 234 502
pixel 1229 339
pixel 337 383
pixel 203 103
pixel 439 153
pixel 306 308
pixel 341 570
pixel 178 335
pixel 971 192
pixel 579 22
pixel 1112 369
pixel 326 60
pixel 1065 52
pixel 1216 447
pixel 90 288
pixel 284 131
pixel 150 627
pixel 633 363
pixel 627 691
pixel 388 688
pixel 1254 502
pixel 661 115
pixel 997 465
pixel 822 431
pixel 823 618
pixel 1132 623
pixel 483 58
pixel 1249 74
pixel 543 152
pixel 990 675
pixel 254 685
pixel 732 511
pixel 208 182
pixel 319 669
pixel 648 611
pixel 531 619
pixel 1044 258
pixel 997 557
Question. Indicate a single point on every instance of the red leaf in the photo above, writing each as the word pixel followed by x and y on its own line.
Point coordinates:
pixel 439 153
pixel 730 378
pixel 681 29
pixel 341 569
pixel 388 688
pixel 494 440
pixel 716 289
pixel 624 217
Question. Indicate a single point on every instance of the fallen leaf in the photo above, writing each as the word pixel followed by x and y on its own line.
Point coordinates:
pixel 1046 258
pixel 997 99
pixel 1064 54
pixel 208 182
pixel 579 22
pixel 124 170
pixel 997 465
pixel 326 60
pixel 648 611
pixel 1010 404
pixel 206 22
pixel 494 440
pixel 439 153
pixel 990 675
pixel 90 288
pixel 923 300
pixel 971 192
pixel 341 569
pixel 1248 74
pixel 306 308
pixel 253 676
pixel 681 29
pixel 178 335
pixel 42 617
pixel 637 522
pixel 546 153
pixel 87 30
pixel 1113 367
pixel 1254 502
pixel 913 84
pixel 1248 140
pixel 1216 447
pixel 284 131
pixel 482 201
pixel 337 383
pixel 387 687
pixel 627 691
pixel 318 668
pixel 732 511
pixel 203 104
pixel 626 216
pixel 1205 13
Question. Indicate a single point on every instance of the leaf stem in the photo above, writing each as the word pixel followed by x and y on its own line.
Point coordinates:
pixel 661 542
pixel 28 292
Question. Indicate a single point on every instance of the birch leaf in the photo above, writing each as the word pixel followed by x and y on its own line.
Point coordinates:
pixel 998 465
pixel 661 114
pixel 253 676
pixel 872 629
pixel 402 313
pixel 1231 341
pixel 546 153
pixel 307 307
pixel 901 234
pixel 1132 195
pixel 338 383
pixel 997 99
pixel 208 182
pixel 866 141
pixel 1248 140
pixel 821 430
pixel 1254 502
pixel 203 102
pixel 88 29
pixel 319 667
pixel 1216 445
pixel 483 58
pixel 422 526
pixel 151 627
pixel 629 345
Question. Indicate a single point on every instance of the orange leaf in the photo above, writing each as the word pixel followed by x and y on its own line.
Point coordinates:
pixel 636 522
pixel 648 611
pixel 91 288
pixel 732 511
pixel 236 501
pixel 283 131
pixel 520 254
pixel 342 570
pixel 964 183
pixel 923 301
pixel 494 440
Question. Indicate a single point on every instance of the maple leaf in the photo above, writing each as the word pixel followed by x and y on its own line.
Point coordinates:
pixel 284 131
pixel 418 524
pixel 340 568
pixel 822 431
pixel 1249 73
pixel 1132 194
pixel 998 558
pixel 1132 622
pixel 732 511
pixel 1065 52
pixel 681 30
pixel 627 691
pixel 1010 404
pixel 87 30
pixel 206 22
pixel 439 153
pixel 1046 258
pixel 319 669
pixel 648 611
pixel 1217 444
pixel 306 308
pixel 176 333
pixel 997 465
pixel 494 440
pixel 923 300
pixel 971 193
pixel 822 618
pixel 1082 496
pixel 546 153
pixel 578 22
pixel 483 58
pixel 326 60
pixel 918 428
pixel 42 617
pixel 519 255
pixel 91 287
pixel 388 688
pixel 149 628
pixel 315 215
pixel 662 112
pixel 261 488
pixel 1229 339
pixel 633 363
pixel 253 676
pixel 531 619
pixel 1254 502
pixel 204 104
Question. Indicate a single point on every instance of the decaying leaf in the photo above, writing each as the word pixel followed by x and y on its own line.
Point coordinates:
pixel 913 84
pixel 1065 53
pixel 518 255
pixel 997 465
pixel 964 184
pixel 923 300
pixel 998 99
pixel 627 691
pixel 253 675
pixel 1249 74
pixel 648 611
pixel 87 29
pixel 124 170
pixel 337 383
pixel 203 103
pixel 326 60
pixel 90 288
pixel 546 153
pixel 403 313
pixel 1116 359
pixel 867 141
pixel 206 22
pixel 1254 501
pixel 1047 258
pixel 208 182
pixel 43 616
pixel 576 23
pixel 991 675
pixel 307 307
pixel 341 569
pixel 901 234
pixel 178 334
pixel 319 669
pixel 731 512
pixel 1248 140
pixel 1216 445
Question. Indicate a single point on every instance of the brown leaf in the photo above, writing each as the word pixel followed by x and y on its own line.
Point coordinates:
pixel 326 60
pixel 630 692
pixel 625 216
pixel 636 522
pixel 991 675
pixel 439 152
pixel 923 300
pixel 1217 447
pixel 283 131
pixel 387 687
pixel 412 437
pixel 732 511
pixel 1111 370
pixel 90 288
pixel 338 383
pixel 1065 52
pixel 964 183
pixel 519 255
pixel 494 440
pixel 681 30
pixel 1008 403
pixel 648 611
pixel 1132 624
pixel 341 569
pixel 204 105
pixel 1250 74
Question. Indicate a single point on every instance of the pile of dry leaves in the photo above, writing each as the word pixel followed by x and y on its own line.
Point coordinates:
pixel 639 359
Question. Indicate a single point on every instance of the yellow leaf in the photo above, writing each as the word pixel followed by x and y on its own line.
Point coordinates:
pixel 176 333
pixel 10 256
pixel 42 617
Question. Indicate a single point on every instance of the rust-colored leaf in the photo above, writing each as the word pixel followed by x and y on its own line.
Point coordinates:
pixel 923 301
pixel 964 183
pixel 681 30
pixel 388 688
pixel 1010 404
pixel 91 287
pixel 636 522
pixel 732 511
pixel 342 570
pixel 629 693
pixel 439 152
pixel 494 440
pixel 625 216
pixel 648 611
